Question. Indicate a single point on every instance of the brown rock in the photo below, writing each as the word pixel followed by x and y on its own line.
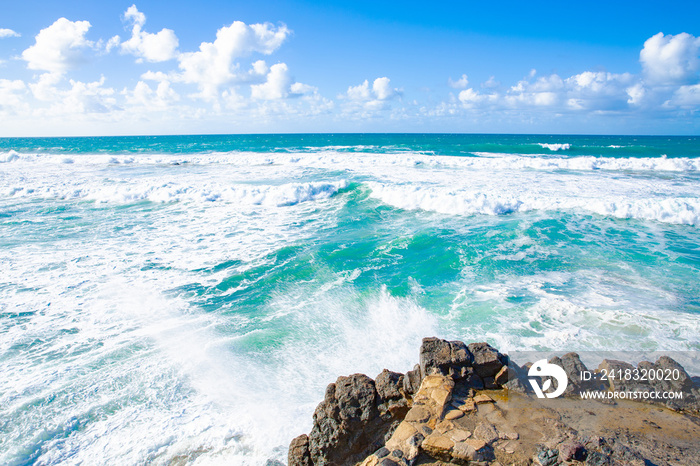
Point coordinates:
pixel 299 454
pixel 482 398
pixel 486 432
pixel 487 360
pixel 417 414
pixel 448 358
pixel 438 446
pixel 453 414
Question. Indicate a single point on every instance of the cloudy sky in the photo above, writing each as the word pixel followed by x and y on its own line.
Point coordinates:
pixel 217 66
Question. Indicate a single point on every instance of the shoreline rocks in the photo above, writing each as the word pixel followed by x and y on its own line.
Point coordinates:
pixel 469 404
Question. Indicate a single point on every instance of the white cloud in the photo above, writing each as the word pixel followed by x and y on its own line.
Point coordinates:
pixel 461 83
pixel 381 90
pixel 214 64
pixel 158 47
pixel 276 86
pixel 142 95
pixel 12 94
pixel 687 97
pixel 8 33
pixel 59 47
pixel 671 59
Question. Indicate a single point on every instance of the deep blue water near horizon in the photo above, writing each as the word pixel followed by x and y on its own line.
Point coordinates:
pixel 188 298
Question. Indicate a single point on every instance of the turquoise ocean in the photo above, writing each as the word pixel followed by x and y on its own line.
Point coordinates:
pixel 186 299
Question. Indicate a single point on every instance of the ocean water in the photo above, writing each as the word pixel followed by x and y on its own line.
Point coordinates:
pixel 186 299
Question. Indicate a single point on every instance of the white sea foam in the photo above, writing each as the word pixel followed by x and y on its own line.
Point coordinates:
pixel 170 191
pixel 449 201
pixel 554 147
pixel 329 159
pixel 8 156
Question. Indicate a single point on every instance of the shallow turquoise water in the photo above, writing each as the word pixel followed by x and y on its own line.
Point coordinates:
pixel 190 297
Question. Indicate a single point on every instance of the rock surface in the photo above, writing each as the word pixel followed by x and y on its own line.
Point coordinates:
pixel 469 404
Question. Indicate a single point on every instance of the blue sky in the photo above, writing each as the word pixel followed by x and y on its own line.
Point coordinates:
pixel 153 67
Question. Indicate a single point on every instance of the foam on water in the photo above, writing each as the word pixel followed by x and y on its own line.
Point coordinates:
pixel 554 147
pixel 685 211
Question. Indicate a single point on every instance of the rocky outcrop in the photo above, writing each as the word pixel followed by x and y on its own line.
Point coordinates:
pixel 469 404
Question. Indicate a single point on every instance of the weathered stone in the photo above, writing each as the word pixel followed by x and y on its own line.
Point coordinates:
pixel 388 462
pixel 502 377
pixel 573 366
pixel 487 361
pixel 347 423
pixel 675 378
pixel 444 357
pixel 382 452
pixel 299 454
pixel 473 380
pixel 482 398
pixel 417 414
pixel 486 432
pixel 401 435
pixel 613 368
pixel 475 443
pixel 467 406
pixel 464 453
pixel 444 426
pixel 389 385
pixel 572 451
pixel 440 396
pixel 547 457
pixel 596 458
pixel 459 435
pixel 412 380
pixel 453 414
pixel 438 446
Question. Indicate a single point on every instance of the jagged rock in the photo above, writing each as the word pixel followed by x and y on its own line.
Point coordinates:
pixel 547 457
pixel 612 366
pixel 299 454
pixel 347 424
pixel 449 421
pixel 571 450
pixel 412 380
pixel 596 458
pixel 486 359
pixel 450 358
pixel 668 366
pixel 573 366
pixel 389 385
pixel 391 400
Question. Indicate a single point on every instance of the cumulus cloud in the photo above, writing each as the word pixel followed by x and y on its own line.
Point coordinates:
pixel 214 64
pixel 8 33
pixel 59 47
pixel 381 90
pixel 158 47
pixel 461 83
pixel 12 94
pixel 669 59
pixel 276 86
pixel 143 95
